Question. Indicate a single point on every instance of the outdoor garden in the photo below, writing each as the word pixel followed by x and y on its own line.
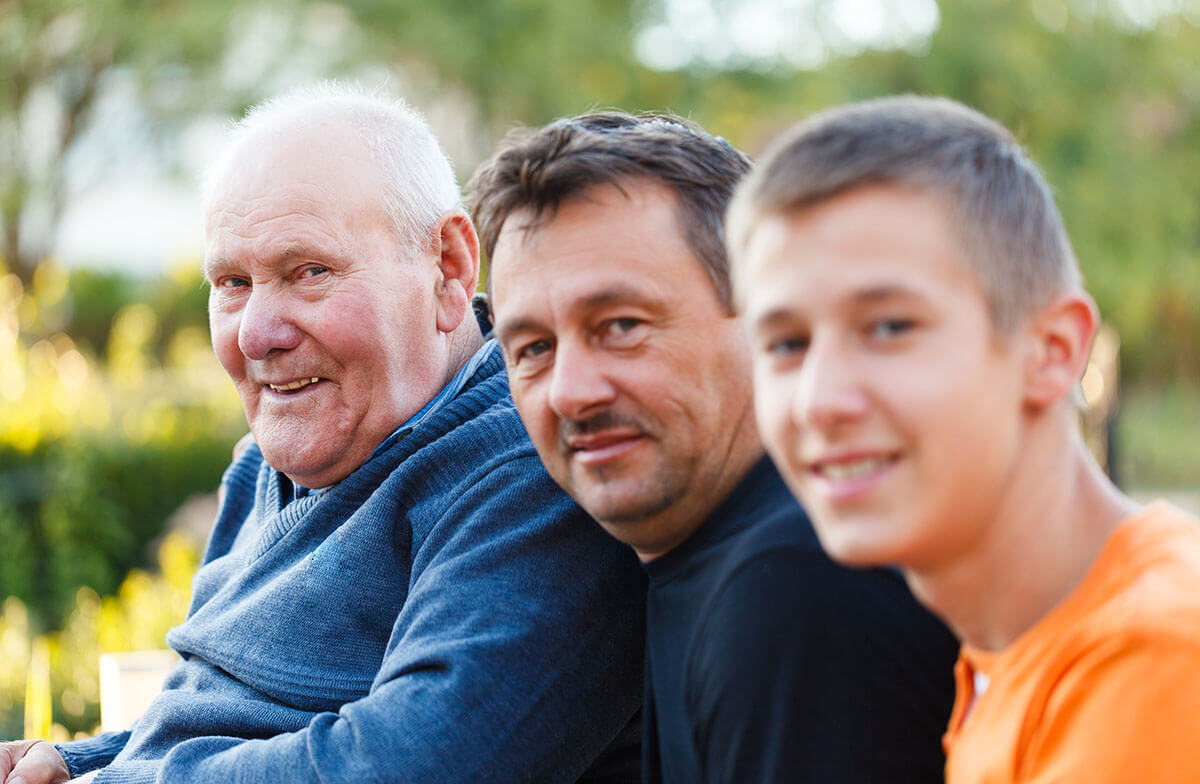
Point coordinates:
pixel 116 420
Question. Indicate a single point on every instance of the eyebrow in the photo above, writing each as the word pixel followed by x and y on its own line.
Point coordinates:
pixel 884 292
pixel 291 250
pixel 611 295
pixel 782 313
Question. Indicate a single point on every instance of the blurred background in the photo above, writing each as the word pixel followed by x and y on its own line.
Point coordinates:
pixel 116 421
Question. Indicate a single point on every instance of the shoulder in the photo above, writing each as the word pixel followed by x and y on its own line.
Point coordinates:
pixel 798 598
pixel 1121 707
pixel 477 432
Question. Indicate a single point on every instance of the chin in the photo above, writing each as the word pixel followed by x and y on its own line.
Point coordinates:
pixel 851 548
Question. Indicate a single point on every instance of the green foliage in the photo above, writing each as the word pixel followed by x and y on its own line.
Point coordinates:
pixel 1109 110
pixel 137 617
pixel 1157 437
pixel 95 457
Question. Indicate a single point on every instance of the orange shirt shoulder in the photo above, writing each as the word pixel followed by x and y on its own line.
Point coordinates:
pixel 1103 689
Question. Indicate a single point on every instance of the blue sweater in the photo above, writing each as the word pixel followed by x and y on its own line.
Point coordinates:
pixel 443 614
pixel 768 662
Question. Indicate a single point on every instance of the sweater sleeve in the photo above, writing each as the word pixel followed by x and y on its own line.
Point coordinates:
pixel 87 754
pixel 517 657
pixel 806 671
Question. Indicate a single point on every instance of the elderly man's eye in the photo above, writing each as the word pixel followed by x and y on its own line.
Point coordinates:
pixel 313 271
pixel 232 282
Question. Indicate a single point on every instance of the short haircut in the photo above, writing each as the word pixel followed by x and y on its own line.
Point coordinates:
pixel 419 183
pixel 999 203
pixel 542 169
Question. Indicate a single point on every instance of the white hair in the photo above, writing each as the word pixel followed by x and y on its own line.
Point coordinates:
pixel 419 183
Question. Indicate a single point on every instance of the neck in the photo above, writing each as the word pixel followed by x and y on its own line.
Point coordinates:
pixel 461 345
pixel 1054 518
pixel 706 492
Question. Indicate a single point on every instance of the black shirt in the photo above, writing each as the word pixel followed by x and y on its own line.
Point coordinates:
pixel 768 662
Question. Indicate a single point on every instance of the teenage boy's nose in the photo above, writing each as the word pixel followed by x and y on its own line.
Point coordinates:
pixel 828 393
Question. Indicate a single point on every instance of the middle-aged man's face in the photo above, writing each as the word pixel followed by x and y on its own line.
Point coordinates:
pixel 629 375
pixel 320 313
pixel 888 400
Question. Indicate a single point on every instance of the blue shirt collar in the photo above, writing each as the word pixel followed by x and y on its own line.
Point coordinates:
pixel 447 393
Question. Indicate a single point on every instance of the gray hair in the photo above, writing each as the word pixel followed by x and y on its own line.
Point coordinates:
pixel 419 183
pixel 1000 205
pixel 544 168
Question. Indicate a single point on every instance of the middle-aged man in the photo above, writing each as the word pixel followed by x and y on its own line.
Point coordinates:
pixel 394 591
pixel 766 662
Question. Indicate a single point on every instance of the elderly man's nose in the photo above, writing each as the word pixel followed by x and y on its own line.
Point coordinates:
pixel 266 327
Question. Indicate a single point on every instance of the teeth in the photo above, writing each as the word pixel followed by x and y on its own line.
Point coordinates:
pixel 853 470
pixel 294 385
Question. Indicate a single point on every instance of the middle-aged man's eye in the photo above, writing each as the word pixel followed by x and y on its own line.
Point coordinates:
pixel 533 350
pixel 621 326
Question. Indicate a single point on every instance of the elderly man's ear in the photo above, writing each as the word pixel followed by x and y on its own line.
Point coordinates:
pixel 457 248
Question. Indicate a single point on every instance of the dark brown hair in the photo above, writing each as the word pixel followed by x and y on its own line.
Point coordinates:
pixel 541 169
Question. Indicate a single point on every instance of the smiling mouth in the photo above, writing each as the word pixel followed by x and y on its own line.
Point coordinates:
pixel 849 470
pixel 293 386
pixel 601 447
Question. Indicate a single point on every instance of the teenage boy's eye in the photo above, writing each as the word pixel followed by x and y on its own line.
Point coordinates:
pixel 891 328
pixel 786 346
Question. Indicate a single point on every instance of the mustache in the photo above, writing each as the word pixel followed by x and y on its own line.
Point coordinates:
pixel 605 420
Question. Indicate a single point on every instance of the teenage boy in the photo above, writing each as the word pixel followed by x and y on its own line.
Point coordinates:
pixel 918 329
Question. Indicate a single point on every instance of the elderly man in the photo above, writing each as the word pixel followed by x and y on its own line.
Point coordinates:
pixel 766 662
pixel 394 591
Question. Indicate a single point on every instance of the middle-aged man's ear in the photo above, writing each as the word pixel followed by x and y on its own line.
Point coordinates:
pixel 1061 338
pixel 457 250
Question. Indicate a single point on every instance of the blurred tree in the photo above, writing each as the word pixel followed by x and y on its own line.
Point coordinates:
pixel 1104 93
pixel 59 61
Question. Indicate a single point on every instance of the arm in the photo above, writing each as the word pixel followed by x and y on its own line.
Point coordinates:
pixel 811 672
pixel 1125 711
pixel 89 754
pixel 517 657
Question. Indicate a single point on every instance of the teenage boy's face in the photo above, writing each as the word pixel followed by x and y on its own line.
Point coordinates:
pixel 883 393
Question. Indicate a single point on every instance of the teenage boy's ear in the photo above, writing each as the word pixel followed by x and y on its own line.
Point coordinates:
pixel 456 248
pixel 1060 343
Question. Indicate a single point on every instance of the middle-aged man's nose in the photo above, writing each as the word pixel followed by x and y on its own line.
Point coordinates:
pixel 266 326
pixel 578 383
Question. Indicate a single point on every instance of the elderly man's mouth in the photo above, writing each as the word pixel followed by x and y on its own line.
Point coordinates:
pixel 292 386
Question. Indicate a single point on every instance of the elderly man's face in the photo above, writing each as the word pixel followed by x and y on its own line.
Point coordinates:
pixel 321 314
pixel 632 380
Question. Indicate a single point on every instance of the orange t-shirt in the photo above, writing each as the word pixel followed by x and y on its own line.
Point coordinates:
pixel 1105 689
